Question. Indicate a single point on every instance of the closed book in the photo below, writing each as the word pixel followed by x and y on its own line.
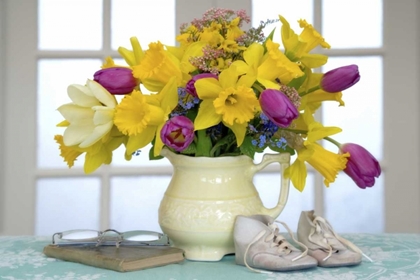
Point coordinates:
pixel 118 259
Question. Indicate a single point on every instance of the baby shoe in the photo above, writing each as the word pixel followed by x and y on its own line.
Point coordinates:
pixel 324 244
pixel 258 244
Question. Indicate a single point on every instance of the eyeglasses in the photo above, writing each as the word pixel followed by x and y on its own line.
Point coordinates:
pixel 110 237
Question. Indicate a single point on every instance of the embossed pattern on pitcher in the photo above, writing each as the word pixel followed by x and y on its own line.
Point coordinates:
pixel 202 215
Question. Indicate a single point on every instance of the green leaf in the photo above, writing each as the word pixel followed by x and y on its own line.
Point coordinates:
pixel 191 149
pixel 287 149
pixel 297 82
pixel 224 141
pixel 247 148
pixel 203 143
pixel 191 114
pixel 270 36
pixel 152 154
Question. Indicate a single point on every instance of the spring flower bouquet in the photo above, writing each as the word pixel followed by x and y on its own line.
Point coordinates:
pixel 223 91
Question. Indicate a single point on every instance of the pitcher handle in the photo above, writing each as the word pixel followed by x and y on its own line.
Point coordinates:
pixel 284 160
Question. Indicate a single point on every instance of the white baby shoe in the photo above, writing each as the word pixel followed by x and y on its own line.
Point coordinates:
pixel 258 244
pixel 324 244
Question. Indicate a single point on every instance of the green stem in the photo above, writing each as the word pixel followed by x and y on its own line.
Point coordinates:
pixel 333 141
pixel 258 87
pixel 310 90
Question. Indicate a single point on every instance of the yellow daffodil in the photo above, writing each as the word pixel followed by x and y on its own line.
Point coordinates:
pixel 297 171
pixel 229 99
pixel 90 116
pixel 230 46
pixel 299 123
pixel 135 56
pixel 270 66
pixel 141 117
pixel 96 155
pixel 298 47
pixel 312 101
pixel 233 29
pixel 108 63
pixel 316 131
pixel 325 162
pixel 193 50
pixel 157 67
pixel 70 154
pixel 211 34
pixel 189 35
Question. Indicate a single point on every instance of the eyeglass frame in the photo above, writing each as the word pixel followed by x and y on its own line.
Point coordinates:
pixel 107 240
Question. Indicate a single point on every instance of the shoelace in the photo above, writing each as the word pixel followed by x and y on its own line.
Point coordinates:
pixel 277 240
pixel 319 222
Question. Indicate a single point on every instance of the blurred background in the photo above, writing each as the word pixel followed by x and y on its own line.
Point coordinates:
pixel 46 45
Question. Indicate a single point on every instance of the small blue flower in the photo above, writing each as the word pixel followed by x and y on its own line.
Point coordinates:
pixel 185 103
pixel 262 140
pixel 136 153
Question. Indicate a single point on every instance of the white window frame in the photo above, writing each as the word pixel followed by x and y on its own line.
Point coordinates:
pixel 18 80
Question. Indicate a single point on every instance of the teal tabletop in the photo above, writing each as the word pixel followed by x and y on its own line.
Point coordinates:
pixel 395 256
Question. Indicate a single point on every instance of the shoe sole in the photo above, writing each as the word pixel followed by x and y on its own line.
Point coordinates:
pixel 339 265
pixel 284 269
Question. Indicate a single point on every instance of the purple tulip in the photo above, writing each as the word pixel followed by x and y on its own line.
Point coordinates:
pixel 117 80
pixel 190 85
pixel 362 167
pixel 178 133
pixel 340 78
pixel 278 107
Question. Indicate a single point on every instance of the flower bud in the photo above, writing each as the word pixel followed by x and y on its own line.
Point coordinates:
pixel 117 80
pixel 191 83
pixel 178 133
pixel 362 166
pixel 340 78
pixel 278 107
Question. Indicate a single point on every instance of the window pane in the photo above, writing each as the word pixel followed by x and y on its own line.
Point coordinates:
pixel 361 118
pixel 54 75
pixel 292 11
pixel 135 202
pixel 350 209
pixel 148 20
pixel 60 205
pixel 352 23
pixel 268 186
pixel 70 24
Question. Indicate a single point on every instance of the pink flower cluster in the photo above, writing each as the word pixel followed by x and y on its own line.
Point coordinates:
pixel 218 15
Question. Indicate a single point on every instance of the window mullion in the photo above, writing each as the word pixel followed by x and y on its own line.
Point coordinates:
pixel 105 203
pixel 318 179
pixel 106 28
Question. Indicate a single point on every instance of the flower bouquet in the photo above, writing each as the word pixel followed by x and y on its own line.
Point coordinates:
pixel 223 91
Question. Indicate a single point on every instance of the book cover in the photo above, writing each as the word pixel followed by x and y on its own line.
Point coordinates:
pixel 119 259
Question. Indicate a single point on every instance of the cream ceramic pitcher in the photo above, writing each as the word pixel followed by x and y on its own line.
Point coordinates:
pixel 205 195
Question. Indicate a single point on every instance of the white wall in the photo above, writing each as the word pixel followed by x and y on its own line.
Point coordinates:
pixel 401 114
pixel 2 94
